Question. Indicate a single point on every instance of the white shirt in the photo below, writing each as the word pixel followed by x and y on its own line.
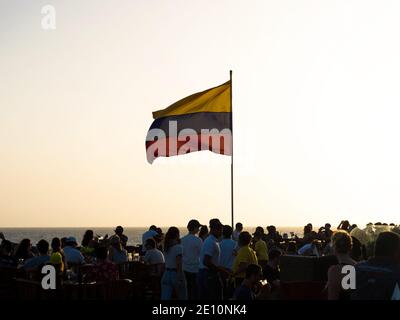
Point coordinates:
pixel 227 256
pixel 170 256
pixel 210 248
pixel 154 256
pixel 235 235
pixel 191 253
pixel 147 235
pixel 73 255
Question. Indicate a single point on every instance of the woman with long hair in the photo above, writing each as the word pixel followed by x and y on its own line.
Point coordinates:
pixel 116 252
pixel 57 257
pixel 87 237
pixel 174 277
pixel 342 246
pixel 88 244
pixel 23 251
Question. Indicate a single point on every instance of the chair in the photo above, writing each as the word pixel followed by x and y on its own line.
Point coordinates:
pixel 82 272
pixel 119 289
pixel 28 290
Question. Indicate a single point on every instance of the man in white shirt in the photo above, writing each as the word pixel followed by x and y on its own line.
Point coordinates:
pixel 191 257
pixel 237 231
pixel 72 255
pixel 151 233
pixel 209 280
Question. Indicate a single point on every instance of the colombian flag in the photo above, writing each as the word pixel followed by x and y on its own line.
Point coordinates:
pixel 201 121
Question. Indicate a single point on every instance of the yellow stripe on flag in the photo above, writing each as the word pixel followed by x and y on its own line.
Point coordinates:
pixel 216 99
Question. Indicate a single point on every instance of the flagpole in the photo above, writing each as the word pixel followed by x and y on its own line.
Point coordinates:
pixel 232 216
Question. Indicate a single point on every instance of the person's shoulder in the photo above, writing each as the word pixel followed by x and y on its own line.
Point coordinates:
pixel 208 240
pixel 186 236
pixel 198 240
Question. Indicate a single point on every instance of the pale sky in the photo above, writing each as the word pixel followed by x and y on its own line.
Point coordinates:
pixel 315 96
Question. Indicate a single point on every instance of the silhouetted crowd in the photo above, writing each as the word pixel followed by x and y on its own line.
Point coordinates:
pixel 215 262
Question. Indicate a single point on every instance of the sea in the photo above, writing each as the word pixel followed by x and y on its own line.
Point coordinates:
pixel 134 233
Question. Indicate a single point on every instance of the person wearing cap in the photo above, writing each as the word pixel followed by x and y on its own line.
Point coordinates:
pixel 208 280
pixel 191 244
pixel 72 254
pixel 119 231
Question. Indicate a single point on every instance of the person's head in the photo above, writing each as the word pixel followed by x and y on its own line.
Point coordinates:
pixel 71 242
pixel 253 273
pixel 216 228
pixel 171 238
pixel 23 249
pixel 244 239
pixel 150 244
pixel 257 235
pixel 291 247
pixel 101 253
pixel 307 229
pixel 203 232
pixel 87 237
pixel 274 256
pixel 239 226
pixel 43 247
pixel 387 245
pixel 56 244
pixel 310 226
pixel 63 242
pixel 341 242
pixel 327 226
pixel 119 231
pixel 227 231
pixel 6 248
pixel 345 225
pixel 259 230
pixel 193 226
pixel 153 227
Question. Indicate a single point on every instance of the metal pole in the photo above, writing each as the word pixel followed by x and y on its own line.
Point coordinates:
pixel 232 216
